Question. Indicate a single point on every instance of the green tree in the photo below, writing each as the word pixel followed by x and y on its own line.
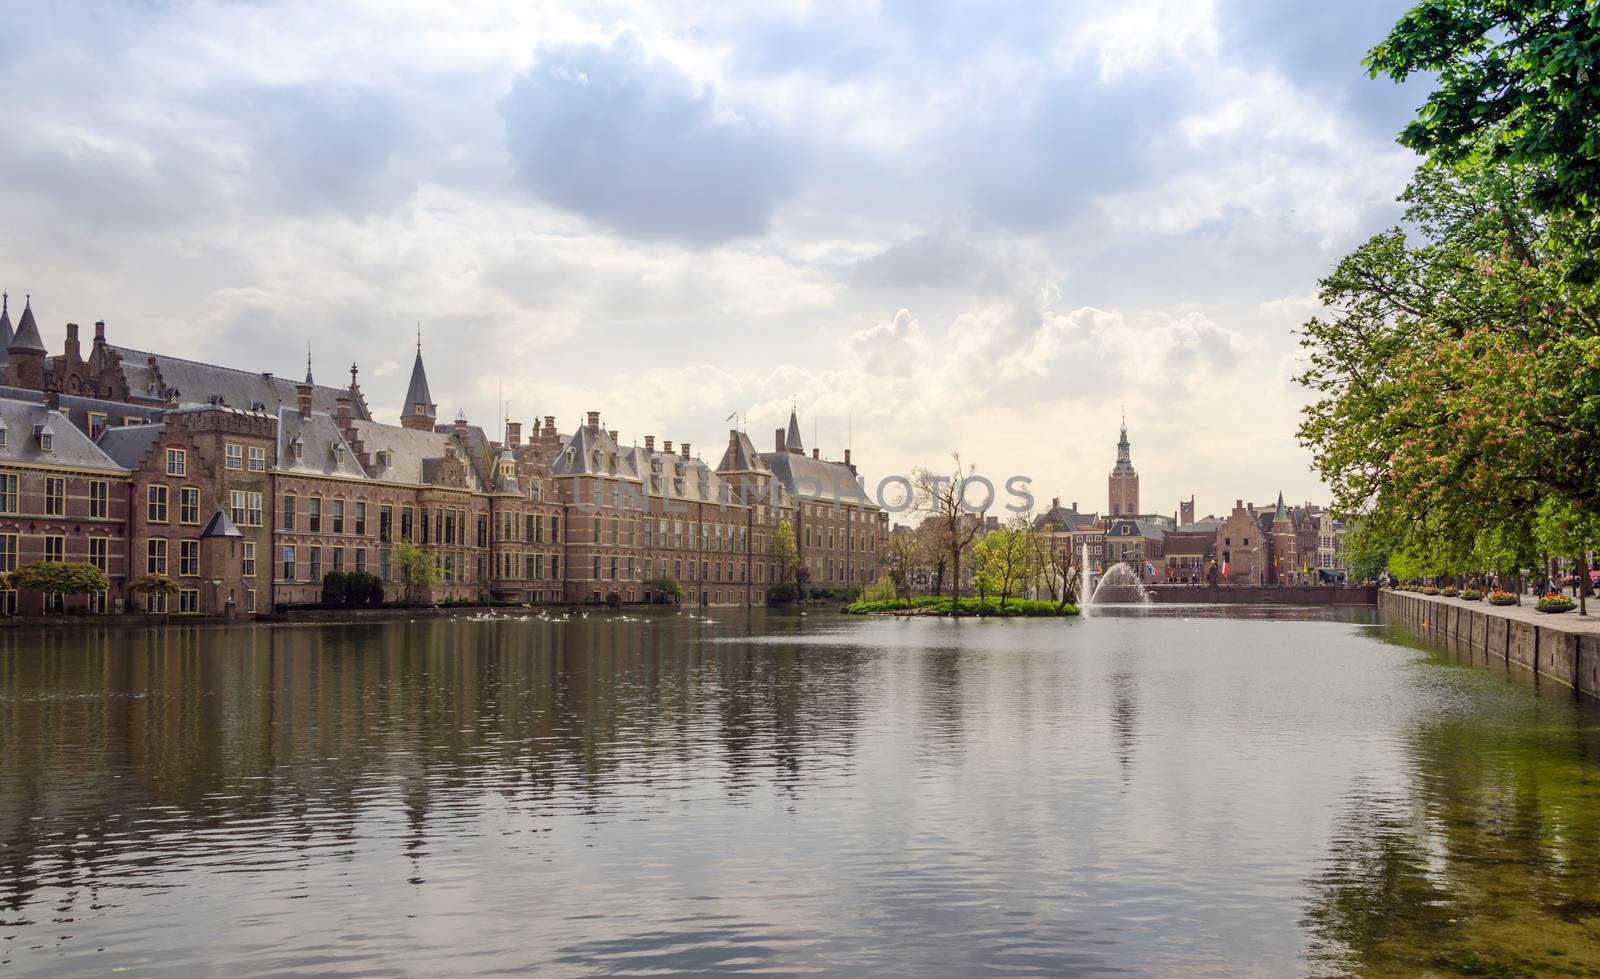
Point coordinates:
pixel 60 578
pixel 785 553
pixel 1004 558
pixel 417 569
pixel 153 584
pixel 1515 83
pixel 667 591
pixel 883 589
pixel 902 557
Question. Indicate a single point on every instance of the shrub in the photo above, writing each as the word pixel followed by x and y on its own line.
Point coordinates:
pixel 153 584
pixel 360 588
pixel 666 590
pixel 613 599
pixel 782 593
pixel 882 590
pixel 59 577
pixel 1016 607
pixel 333 588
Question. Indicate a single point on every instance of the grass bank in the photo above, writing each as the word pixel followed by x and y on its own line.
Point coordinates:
pixel 1014 608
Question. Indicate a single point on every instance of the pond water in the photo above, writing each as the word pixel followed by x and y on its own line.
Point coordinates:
pixel 1178 791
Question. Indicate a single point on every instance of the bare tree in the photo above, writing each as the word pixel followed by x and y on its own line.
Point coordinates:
pixel 943 498
pixel 935 553
pixel 902 558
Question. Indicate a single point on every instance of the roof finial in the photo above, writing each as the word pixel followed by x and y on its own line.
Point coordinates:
pixel 5 301
pixel 419 339
pixel 27 301
pixel 308 361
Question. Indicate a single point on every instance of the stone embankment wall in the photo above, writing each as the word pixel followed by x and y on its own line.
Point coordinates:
pixel 1563 648
pixel 1264 594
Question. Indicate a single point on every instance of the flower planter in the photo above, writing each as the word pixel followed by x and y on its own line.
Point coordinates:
pixel 1556 609
pixel 1502 601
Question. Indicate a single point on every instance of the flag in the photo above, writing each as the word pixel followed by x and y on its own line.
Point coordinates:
pixel 1224 569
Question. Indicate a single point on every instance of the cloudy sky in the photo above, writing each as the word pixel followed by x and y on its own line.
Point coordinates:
pixel 977 227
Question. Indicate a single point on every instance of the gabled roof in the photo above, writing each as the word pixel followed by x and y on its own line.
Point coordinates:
pixel 27 335
pixel 1135 528
pixel 594 453
pixel 413 454
pixel 128 445
pixel 1065 519
pixel 69 447
pixel 220 526
pixel 741 455
pixel 816 479
pixel 323 450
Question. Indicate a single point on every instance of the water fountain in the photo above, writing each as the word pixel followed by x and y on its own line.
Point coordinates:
pixel 1085 582
pixel 1120 585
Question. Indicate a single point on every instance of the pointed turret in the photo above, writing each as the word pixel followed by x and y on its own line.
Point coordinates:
pixel 1281 515
pixel 5 325
pixel 791 441
pixel 26 353
pixel 420 412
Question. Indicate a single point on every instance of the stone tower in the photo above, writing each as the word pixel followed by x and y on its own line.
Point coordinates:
pixel 419 412
pixel 1124 500
pixel 1285 546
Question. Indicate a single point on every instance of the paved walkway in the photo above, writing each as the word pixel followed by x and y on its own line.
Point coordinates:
pixel 1588 625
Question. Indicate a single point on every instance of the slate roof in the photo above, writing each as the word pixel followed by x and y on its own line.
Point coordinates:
pixel 594 453
pixel 198 383
pixel 791 441
pixel 220 526
pixel 1065 519
pixel 741 455
pixel 69 446
pixel 417 391
pixel 323 452
pixel 27 335
pixel 816 479
pixel 502 482
pixel 6 332
pixel 411 453
pixel 1135 528
pixel 129 444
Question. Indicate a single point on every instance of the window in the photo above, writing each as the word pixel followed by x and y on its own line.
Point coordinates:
pixel 188 599
pixel 248 561
pixel 258 458
pixel 189 505
pixel 156 503
pixel 236 506
pixel 361 518
pixel 8 493
pixel 361 559
pixel 250 600
pixel 288 512
pixel 233 455
pixel 338 559
pixel 177 462
pixel 55 548
pixel 288 562
pixel 155 555
pixel 555 533
pixel 383 564
pixel 316 563
pixel 338 516
pixel 252 506
pixel 314 514
pixel 99 498
pixel 8 553
pixel 155 603
pixel 55 497
pixel 408 523
pixel 189 558
pixel 100 552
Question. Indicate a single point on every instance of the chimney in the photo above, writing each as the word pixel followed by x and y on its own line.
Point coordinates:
pixel 550 422
pixel 72 343
pixel 1074 506
pixel 779 443
pixel 686 450
pixel 613 434
pixel 594 423
pixel 302 392
pixel 816 453
pixel 99 332
pixel 649 443
pixel 341 411
pixel 1055 502
pixel 666 446
pixel 514 435
pixel 461 424
pixel 847 457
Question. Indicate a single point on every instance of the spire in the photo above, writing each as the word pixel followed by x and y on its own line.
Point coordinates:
pixel 27 335
pixel 1282 514
pixel 309 381
pixel 1124 465
pixel 5 325
pixel 791 441
pixel 419 411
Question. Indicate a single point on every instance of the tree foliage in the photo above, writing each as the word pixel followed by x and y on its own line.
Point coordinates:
pixel 60 577
pixel 417 569
pixel 1515 84
pixel 153 584
pixel 1004 559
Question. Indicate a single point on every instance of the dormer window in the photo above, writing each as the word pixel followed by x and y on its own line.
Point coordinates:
pixel 2 433
pixel 385 458
pixel 47 438
pixel 338 450
pixel 297 448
